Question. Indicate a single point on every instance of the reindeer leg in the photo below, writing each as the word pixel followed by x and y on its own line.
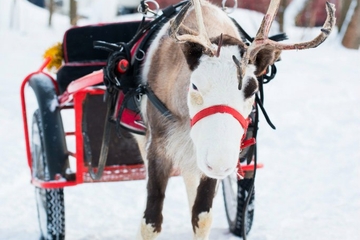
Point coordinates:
pixel 192 182
pixel 201 211
pixel 159 170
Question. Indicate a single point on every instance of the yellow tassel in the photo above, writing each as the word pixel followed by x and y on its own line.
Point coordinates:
pixel 56 54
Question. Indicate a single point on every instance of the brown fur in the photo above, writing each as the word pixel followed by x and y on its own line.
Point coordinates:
pixel 230 41
pixel 204 199
pixel 250 88
pixel 169 74
pixel 264 58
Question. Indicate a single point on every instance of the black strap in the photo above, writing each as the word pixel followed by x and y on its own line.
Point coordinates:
pixel 259 103
pixel 271 71
pixel 145 89
pixel 168 12
pixel 104 144
pixel 121 50
pixel 245 37
pixel 278 37
pixel 259 99
pixel 151 28
pixel 118 51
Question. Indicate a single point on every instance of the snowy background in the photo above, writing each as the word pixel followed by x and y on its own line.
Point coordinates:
pixel 309 188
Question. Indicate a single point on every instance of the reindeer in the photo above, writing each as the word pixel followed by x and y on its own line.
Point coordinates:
pixel 204 74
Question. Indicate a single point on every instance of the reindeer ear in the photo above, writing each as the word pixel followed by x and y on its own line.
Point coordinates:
pixel 193 52
pixel 265 57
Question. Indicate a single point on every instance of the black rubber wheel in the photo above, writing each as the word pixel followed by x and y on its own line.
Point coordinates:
pixel 50 202
pixel 235 194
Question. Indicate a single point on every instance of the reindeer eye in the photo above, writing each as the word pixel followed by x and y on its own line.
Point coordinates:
pixel 194 87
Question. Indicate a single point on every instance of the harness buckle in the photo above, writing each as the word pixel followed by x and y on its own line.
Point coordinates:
pixel 144 8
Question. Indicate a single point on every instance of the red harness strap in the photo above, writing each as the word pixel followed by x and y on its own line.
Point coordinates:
pixel 220 109
pixel 233 112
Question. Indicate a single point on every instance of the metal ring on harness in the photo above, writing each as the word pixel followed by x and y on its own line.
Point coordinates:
pixel 144 8
pixel 142 57
pixel 225 9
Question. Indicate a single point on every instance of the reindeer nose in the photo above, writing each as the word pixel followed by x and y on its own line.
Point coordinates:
pixel 220 170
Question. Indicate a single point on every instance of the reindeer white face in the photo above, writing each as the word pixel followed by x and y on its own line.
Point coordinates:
pixel 217 137
pixel 215 81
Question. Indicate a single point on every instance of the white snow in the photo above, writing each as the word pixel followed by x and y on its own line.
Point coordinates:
pixel 53 104
pixel 308 189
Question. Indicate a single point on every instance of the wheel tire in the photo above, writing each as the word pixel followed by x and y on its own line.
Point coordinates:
pixel 50 202
pixel 235 194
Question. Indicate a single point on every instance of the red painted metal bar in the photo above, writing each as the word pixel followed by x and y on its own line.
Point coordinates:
pixel 53 184
pixel 111 174
pixel 79 97
pixel 251 166
pixel 26 130
pixel 44 64
pixel 23 106
pixel 89 80
pixel 118 173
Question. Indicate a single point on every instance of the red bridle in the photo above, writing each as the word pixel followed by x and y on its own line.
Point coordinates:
pixel 233 112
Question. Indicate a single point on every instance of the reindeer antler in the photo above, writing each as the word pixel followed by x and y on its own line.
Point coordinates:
pixel 261 40
pixel 201 37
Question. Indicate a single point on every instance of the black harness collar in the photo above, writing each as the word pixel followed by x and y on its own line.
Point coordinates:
pixel 145 89
pixel 129 82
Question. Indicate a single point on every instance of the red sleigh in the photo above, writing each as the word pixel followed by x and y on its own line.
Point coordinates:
pixel 78 91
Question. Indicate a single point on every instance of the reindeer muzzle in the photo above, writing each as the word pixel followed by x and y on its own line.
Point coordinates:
pixel 244 122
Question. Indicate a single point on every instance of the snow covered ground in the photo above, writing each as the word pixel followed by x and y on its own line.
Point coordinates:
pixel 309 188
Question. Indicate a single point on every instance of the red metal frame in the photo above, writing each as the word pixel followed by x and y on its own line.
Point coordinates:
pixel 23 105
pixel 73 98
